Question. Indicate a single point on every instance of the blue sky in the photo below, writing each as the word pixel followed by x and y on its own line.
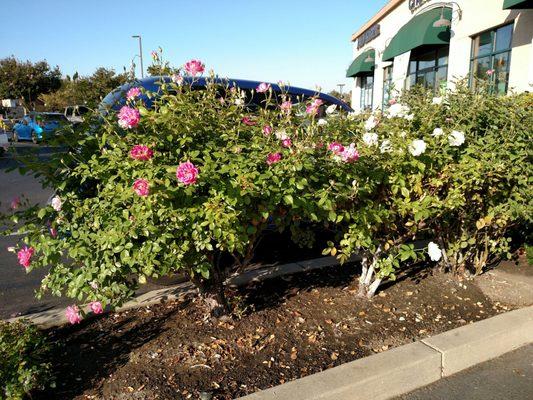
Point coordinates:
pixel 306 43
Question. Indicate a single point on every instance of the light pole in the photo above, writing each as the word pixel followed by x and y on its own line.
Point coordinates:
pixel 140 52
pixel 340 85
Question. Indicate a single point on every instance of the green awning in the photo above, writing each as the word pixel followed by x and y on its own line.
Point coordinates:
pixel 517 4
pixel 419 31
pixel 360 66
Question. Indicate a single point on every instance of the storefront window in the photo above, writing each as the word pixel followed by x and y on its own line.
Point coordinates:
pixel 367 92
pixel 387 86
pixel 491 58
pixel 429 68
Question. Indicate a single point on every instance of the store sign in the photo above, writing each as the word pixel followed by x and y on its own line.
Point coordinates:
pixel 416 4
pixel 368 35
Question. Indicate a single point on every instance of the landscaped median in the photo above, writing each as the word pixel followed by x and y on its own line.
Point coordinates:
pixel 401 370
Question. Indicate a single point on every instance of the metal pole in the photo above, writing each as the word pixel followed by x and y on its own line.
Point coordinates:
pixel 140 53
pixel 141 56
pixel 340 85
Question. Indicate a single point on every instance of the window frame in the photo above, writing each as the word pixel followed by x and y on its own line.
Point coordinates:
pixel 364 91
pixel 421 72
pixel 492 56
pixel 387 85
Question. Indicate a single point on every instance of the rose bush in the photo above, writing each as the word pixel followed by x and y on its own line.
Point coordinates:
pixel 193 183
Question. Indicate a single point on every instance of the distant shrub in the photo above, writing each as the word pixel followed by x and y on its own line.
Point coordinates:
pixel 24 364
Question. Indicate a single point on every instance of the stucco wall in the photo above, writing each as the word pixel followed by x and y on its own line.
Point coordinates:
pixel 476 16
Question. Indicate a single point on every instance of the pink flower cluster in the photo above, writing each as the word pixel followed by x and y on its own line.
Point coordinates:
pixel 194 67
pixel 263 87
pixel 141 187
pixel 273 158
pixel 314 106
pixel 141 152
pixel 287 142
pixel 73 314
pixel 336 148
pixel 346 154
pixel 24 256
pixel 286 106
pixel 267 130
pixel 15 203
pixel 128 117
pixel 133 93
pixel 248 121
pixel 187 173
pixel 96 307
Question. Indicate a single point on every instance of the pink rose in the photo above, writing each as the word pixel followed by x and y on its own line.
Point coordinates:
pixel 248 121
pixel 141 187
pixel 263 87
pixel 154 55
pixel 490 72
pixel 133 93
pixel 286 106
pixel 53 232
pixel 24 256
pixel 141 152
pixel 336 147
pixel 194 67
pixel 128 117
pixel 392 101
pixel 96 307
pixel 15 203
pixel 314 106
pixel 73 314
pixel 350 154
pixel 273 158
pixel 267 130
pixel 286 142
pixel 187 173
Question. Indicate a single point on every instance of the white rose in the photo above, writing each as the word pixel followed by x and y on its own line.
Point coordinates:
pixel 417 147
pixel 238 102
pixel 370 138
pixel 437 100
pixel 434 252
pixel 281 135
pixel 56 203
pixel 398 110
pixel 456 138
pixel 352 115
pixel 322 122
pixel 437 132
pixel 385 146
pixel 409 117
pixel 370 123
pixel 331 109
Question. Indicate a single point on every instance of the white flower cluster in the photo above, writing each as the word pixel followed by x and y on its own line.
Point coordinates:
pixel 370 138
pixel 400 111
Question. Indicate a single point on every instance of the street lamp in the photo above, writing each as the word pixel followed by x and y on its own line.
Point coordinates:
pixel 340 85
pixel 140 52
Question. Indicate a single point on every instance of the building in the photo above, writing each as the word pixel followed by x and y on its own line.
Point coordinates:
pixel 433 43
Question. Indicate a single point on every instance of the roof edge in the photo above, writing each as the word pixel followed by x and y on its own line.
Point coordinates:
pixel 385 10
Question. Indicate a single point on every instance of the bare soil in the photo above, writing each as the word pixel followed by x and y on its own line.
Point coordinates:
pixel 283 329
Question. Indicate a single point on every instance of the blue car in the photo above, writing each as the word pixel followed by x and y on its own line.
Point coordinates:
pixel 117 98
pixel 38 126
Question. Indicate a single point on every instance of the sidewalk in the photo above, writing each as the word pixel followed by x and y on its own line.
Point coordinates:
pixel 508 377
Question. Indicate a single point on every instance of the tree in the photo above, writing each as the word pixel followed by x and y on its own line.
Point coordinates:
pixel 347 97
pixel 89 90
pixel 27 80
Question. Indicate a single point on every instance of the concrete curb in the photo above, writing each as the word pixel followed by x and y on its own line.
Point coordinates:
pixel 56 316
pixel 406 368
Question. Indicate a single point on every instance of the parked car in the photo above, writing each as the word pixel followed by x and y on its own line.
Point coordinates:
pixel 36 126
pixel 75 113
pixel 117 98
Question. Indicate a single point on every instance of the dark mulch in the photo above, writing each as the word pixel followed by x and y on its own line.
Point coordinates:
pixel 289 327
